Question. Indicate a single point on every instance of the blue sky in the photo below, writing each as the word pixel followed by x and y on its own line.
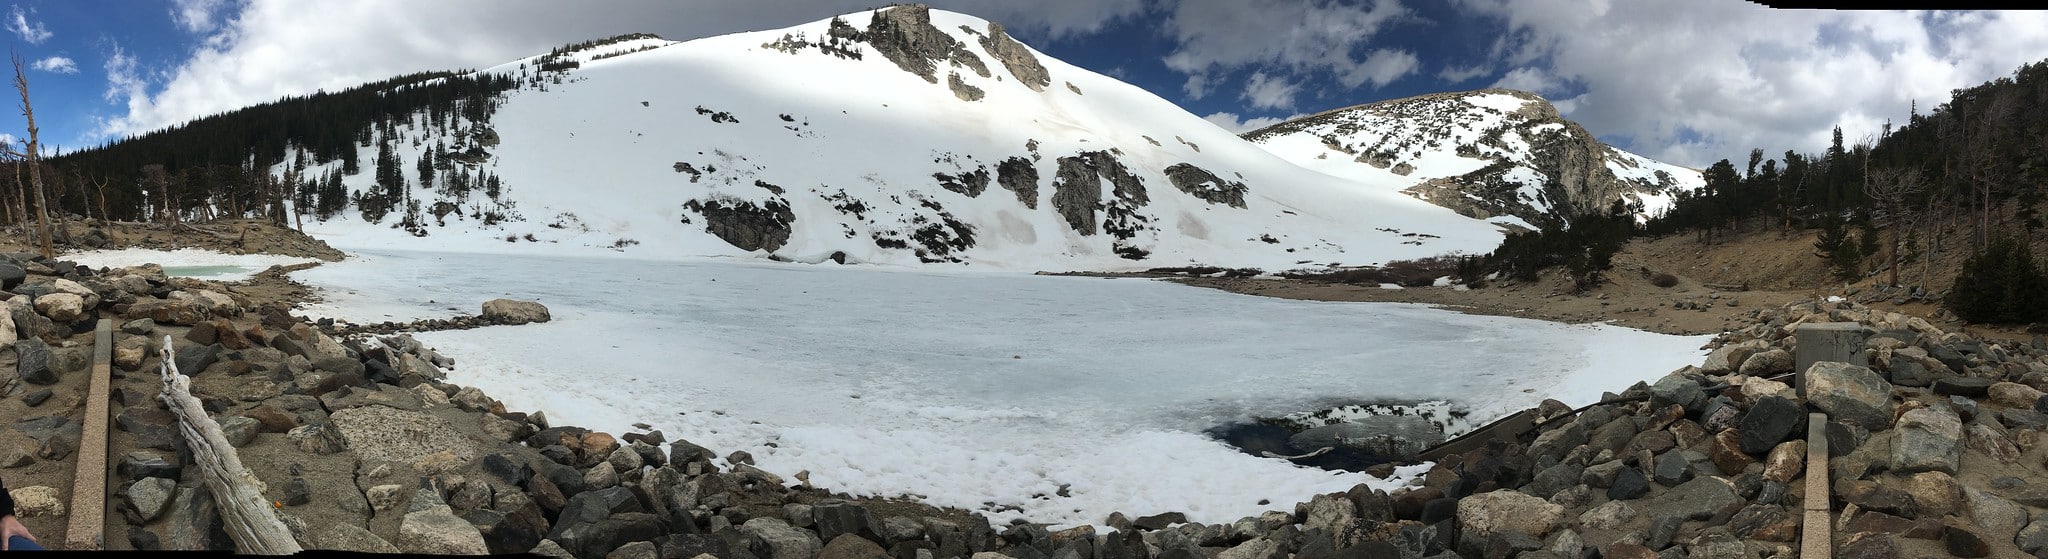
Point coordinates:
pixel 1685 81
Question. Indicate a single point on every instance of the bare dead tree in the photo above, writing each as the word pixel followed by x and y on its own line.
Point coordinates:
pixel 155 180
pixel 1890 188
pixel 35 171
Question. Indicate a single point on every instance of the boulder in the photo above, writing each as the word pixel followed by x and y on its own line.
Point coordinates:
pixel 1700 499
pixel 1728 358
pixel 1768 363
pixel 1677 389
pixel 1507 510
pixel 1935 494
pixel 61 307
pixel 1786 462
pixel 1929 439
pixel 35 362
pixel 849 546
pixel 1851 394
pixel 1612 515
pixel 1998 518
pixel 436 532
pixel 512 311
pixel 833 518
pixel 1963 385
pixel 2013 395
pixel 774 539
pixel 1769 421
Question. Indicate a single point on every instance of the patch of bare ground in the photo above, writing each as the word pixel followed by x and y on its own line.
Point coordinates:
pixel 1718 286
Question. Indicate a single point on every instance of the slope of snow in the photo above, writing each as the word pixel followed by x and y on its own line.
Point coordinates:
pixel 596 162
pixel 986 391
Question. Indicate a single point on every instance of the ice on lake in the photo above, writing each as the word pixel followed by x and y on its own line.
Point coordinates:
pixel 1054 399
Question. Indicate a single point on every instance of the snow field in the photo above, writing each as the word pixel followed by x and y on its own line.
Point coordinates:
pixel 986 391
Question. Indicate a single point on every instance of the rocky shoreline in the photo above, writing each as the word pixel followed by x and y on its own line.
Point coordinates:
pixel 364 447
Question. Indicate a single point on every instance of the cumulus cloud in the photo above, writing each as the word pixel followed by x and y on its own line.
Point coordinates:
pixel 195 16
pixel 1265 91
pixel 260 51
pixel 33 32
pixel 1692 82
pixel 56 64
pixel 1283 37
pixel 1239 125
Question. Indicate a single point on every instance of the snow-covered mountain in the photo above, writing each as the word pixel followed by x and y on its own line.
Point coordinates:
pixel 1496 154
pixel 896 136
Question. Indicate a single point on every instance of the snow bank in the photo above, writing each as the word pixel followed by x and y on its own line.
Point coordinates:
pixel 190 262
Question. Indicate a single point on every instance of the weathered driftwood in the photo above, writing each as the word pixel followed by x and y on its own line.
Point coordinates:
pixel 248 516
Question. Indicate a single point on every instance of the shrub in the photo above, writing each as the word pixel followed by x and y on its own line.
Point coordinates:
pixel 1664 280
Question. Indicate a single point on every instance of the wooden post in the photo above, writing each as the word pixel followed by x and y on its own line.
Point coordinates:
pixel 1817 540
pixel 89 480
pixel 248 516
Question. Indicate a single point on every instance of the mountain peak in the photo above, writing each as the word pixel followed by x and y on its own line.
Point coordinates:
pixel 1499 154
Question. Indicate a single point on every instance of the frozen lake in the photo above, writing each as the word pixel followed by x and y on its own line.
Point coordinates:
pixel 985 391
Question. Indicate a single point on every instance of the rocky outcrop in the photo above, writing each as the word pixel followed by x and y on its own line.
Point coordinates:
pixel 904 34
pixel 1201 183
pixel 1022 64
pixel 744 224
pixel 1020 177
pixel 1077 195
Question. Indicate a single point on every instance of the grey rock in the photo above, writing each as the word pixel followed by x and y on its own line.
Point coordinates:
pixel 1673 468
pixel 834 518
pixel 1850 393
pixel 2000 519
pixel 774 539
pixel 140 464
pixel 1770 421
pixel 436 532
pixel 1700 499
pixel 1677 389
pixel 515 312
pixel 1970 387
pixel 35 362
pixel 151 496
pixel 1929 439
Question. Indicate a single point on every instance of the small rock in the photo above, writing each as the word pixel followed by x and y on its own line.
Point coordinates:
pixel 151 496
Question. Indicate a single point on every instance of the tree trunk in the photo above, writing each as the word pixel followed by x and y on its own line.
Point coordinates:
pixel 35 168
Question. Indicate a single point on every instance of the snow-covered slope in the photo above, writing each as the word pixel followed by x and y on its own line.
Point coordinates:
pixel 898 136
pixel 1493 154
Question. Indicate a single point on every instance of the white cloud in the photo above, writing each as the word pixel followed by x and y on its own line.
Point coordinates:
pixel 1282 37
pixel 1459 74
pixel 1692 82
pixel 195 16
pixel 1533 80
pixel 1239 125
pixel 34 32
pixel 1382 67
pixel 260 51
pixel 56 64
pixel 1264 91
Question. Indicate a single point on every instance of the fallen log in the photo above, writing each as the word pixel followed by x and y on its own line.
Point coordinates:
pixel 248 516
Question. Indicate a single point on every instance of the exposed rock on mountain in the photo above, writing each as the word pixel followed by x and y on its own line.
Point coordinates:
pixel 1494 154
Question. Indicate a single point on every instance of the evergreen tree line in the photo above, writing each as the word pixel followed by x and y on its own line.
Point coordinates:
pixel 218 166
pixel 1975 167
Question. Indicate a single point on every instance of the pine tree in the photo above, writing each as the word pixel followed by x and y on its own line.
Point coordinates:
pixel 2001 284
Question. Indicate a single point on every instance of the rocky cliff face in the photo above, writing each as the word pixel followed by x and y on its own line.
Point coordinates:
pixel 1486 154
